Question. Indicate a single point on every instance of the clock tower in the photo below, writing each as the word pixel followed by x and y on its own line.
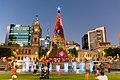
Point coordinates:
pixel 37 33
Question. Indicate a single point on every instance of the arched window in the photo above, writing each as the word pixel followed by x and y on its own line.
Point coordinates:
pixel 21 58
pixel 34 58
pixel 26 51
pixel 35 39
pixel 102 54
pixel 90 55
pixel 29 51
pixel 22 51
pixel 18 58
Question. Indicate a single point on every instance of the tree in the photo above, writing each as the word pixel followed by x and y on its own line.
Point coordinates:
pixel 14 54
pixel 112 52
pixel 5 52
pixel 73 52
pixel 44 51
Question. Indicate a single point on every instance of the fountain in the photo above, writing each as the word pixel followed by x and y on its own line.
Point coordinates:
pixel 82 64
pixel 74 66
pixel 65 67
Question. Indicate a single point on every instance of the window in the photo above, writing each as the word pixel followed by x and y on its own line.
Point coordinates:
pixel 35 39
pixel 21 58
pixel 22 51
pixel 90 55
pixel 29 51
pixel 34 58
pixel 26 51
pixel 18 58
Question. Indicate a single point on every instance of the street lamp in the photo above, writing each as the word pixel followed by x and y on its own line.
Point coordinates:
pixel 36 52
pixel 17 50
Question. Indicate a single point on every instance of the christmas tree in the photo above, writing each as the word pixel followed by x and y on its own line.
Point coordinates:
pixel 58 44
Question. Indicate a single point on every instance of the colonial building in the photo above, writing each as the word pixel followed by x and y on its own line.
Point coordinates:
pixel 29 38
pixel 87 54
pixel 101 46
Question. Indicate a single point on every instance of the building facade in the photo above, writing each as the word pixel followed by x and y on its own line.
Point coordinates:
pixel 86 54
pixel 18 34
pixel 85 42
pixel 71 44
pixel 45 42
pixel 37 33
pixel 102 46
pixel 95 36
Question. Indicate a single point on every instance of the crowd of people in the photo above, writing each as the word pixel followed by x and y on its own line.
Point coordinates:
pixel 98 70
pixel 44 70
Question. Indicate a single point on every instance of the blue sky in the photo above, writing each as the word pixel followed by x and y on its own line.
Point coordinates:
pixel 78 16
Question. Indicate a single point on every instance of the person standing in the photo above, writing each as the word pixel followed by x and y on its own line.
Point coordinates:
pixel 14 73
pixel 102 68
pixel 48 66
pixel 87 68
pixel 108 66
pixel 45 68
pixel 95 69
pixel 35 68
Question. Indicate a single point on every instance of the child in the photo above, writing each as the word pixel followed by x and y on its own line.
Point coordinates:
pixel 108 66
pixel 14 73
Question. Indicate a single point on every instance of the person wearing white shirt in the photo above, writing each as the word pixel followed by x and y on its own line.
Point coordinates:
pixel 102 77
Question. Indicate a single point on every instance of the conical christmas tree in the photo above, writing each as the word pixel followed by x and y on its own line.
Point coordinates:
pixel 58 44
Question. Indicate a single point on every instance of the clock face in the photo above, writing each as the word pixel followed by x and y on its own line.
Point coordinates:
pixel 36 29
